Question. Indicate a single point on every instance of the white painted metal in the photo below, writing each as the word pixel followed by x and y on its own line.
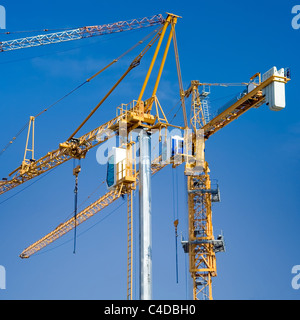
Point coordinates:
pixel 145 216
pixel 275 92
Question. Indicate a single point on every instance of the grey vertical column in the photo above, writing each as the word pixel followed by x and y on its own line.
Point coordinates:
pixel 145 216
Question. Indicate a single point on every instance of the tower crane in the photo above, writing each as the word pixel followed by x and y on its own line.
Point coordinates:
pixel 31 168
pixel 201 245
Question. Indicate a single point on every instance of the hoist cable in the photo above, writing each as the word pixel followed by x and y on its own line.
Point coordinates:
pixel 76 171
pixel 175 217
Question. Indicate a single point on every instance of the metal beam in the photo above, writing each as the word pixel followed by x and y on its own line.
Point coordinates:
pixel 145 216
pixel 80 33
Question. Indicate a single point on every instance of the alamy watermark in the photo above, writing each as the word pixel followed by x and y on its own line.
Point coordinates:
pixel 171 146
pixel 2 17
pixel 2 278
pixel 296 279
pixel 296 18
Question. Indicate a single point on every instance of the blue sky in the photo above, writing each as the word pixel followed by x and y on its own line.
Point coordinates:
pixel 255 159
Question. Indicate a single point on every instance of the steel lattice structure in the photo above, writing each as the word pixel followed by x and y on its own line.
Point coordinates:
pixel 80 33
pixel 85 214
pixel 201 238
pixel 201 244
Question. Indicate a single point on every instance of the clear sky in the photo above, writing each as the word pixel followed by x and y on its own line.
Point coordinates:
pixel 255 159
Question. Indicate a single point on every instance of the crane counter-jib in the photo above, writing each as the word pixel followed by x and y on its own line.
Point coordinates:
pixel 267 92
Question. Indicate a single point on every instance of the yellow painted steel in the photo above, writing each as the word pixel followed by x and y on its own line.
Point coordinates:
pixel 181 91
pixel 26 162
pixel 202 257
pixel 162 63
pixel 166 23
pixel 87 213
pixel 133 64
pixel 201 253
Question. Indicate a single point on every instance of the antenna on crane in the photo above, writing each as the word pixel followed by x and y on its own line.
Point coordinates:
pixel 26 162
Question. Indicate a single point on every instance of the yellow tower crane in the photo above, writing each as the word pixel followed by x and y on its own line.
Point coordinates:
pixel 201 244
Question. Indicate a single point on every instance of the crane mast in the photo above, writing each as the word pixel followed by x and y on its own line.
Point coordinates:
pixel 202 258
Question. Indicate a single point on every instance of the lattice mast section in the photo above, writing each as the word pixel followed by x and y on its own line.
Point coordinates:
pixel 201 249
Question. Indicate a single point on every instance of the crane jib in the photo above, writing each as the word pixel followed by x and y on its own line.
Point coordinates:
pixel 80 33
